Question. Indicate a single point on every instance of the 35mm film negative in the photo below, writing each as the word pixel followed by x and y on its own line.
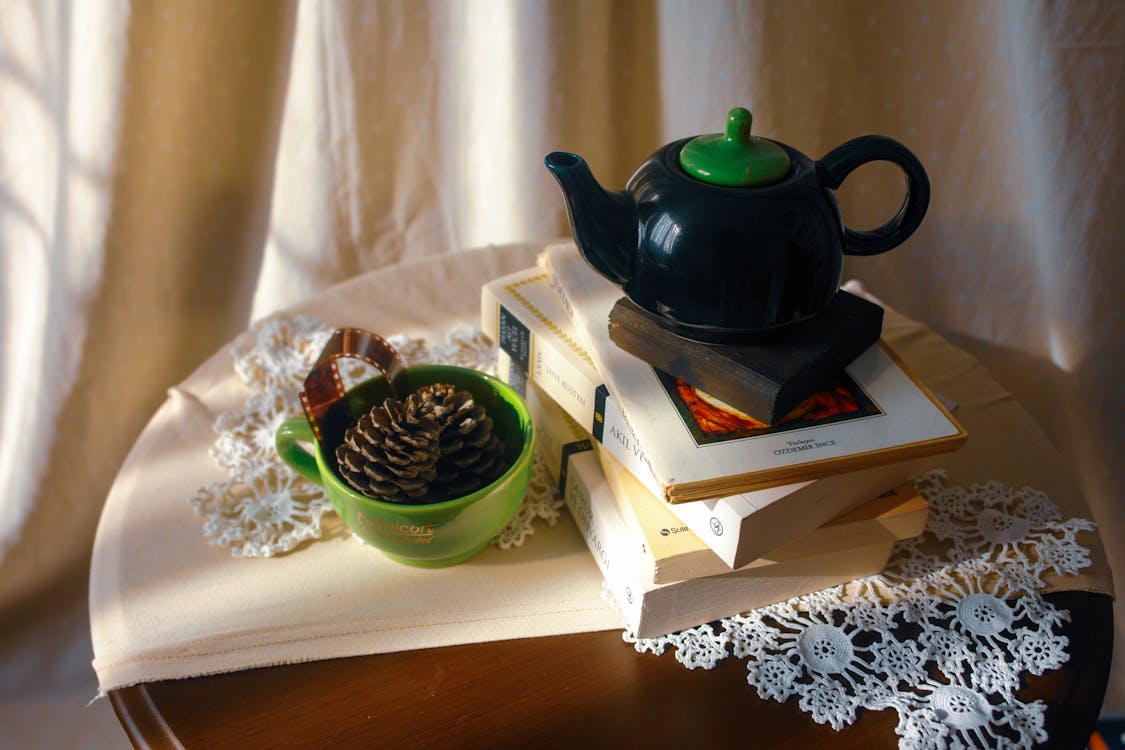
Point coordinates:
pixel 323 395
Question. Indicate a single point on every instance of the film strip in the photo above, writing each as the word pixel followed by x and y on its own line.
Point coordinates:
pixel 323 395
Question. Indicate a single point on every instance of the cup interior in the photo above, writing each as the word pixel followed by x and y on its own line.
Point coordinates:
pixel 510 418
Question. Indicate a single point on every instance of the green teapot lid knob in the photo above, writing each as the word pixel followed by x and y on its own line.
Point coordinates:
pixel 735 158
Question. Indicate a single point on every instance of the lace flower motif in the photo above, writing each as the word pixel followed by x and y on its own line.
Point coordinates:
pixel 942 639
pixel 1001 524
pixel 264 509
pixel 957 716
pixel 835 663
pixel 278 352
pixel 541 503
pixel 260 515
pixel 245 441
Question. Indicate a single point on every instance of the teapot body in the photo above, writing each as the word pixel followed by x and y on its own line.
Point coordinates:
pixel 727 264
pixel 730 239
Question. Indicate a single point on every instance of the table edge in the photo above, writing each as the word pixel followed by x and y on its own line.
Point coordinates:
pixel 147 730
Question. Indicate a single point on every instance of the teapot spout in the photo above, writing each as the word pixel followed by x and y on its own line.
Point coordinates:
pixel 604 223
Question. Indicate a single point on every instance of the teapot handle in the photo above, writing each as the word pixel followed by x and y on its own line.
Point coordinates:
pixel 838 163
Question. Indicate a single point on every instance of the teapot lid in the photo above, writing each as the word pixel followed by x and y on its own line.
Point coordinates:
pixel 735 158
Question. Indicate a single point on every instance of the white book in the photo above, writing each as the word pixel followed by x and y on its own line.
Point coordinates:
pixel 652 609
pixel 744 527
pixel 678 553
pixel 538 342
pixel 667 551
pixel 875 413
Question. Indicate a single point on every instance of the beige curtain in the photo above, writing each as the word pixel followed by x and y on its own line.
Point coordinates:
pixel 171 171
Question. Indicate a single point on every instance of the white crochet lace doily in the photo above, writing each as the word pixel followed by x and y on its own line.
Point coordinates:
pixel 264 508
pixel 942 636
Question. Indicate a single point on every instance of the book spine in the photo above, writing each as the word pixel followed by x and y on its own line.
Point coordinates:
pixel 678 553
pixel 621 441
pixel 536 353
pixel 586 496
pixel 653 610
pixel 583 328
pixel 530 350
pixel 556 439
pixel 559 439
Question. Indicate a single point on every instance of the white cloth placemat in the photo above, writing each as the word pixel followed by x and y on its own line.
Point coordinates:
pixel 164 604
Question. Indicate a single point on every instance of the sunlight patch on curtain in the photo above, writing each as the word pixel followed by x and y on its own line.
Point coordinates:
pixel 58 123
pixel 301 235
pixel 488 93
pixel 1058 227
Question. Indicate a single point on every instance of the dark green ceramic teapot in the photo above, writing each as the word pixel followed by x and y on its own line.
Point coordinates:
pixel 730 237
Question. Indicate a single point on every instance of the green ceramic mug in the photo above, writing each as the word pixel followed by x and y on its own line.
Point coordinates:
pixel 437 534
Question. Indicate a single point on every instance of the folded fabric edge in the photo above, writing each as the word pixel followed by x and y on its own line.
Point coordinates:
pixel 174 662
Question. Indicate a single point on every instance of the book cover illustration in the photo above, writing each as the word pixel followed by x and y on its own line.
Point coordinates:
pixel 710 420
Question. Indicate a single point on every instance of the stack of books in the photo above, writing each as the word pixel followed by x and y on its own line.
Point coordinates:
pixel 693 510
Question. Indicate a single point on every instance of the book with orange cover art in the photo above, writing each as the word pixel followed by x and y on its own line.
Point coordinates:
pixel 698 448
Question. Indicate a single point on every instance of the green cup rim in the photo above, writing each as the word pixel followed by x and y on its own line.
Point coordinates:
pixel 426 509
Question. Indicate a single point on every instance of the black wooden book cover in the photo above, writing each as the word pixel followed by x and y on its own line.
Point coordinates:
pixel 766 379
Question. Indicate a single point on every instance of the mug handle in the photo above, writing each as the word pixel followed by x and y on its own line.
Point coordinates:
pixel 838 163
pixel 288 438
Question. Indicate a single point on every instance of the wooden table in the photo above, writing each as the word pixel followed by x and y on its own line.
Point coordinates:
pixel 581 690
pixel 585 690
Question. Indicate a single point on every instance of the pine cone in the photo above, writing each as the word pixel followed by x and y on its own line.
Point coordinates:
pixel 391 453
pixel 471 455
pixel 435 445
